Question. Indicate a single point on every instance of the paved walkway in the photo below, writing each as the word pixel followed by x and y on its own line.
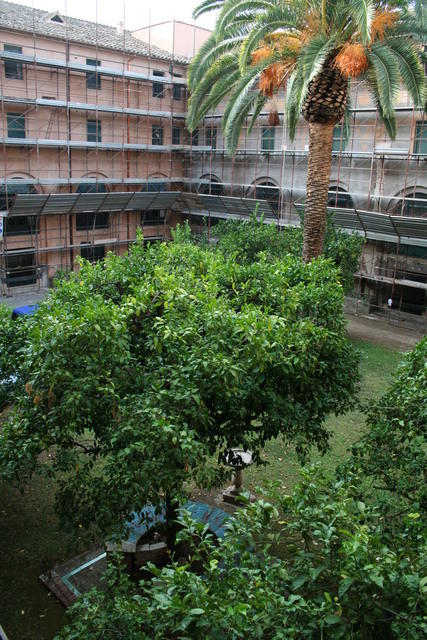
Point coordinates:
pixel 375 329
pixel 23 299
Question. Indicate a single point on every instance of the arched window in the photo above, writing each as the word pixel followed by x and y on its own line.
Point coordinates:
pixel 154 186
pixel 415 205
pixel 212 187
pixel 18 225
pixel 91 187
pixel 88 221
pixel 339 198
pixel 267 190
pixel 152 217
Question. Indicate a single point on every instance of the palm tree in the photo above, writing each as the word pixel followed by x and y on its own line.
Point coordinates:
pixel 312 49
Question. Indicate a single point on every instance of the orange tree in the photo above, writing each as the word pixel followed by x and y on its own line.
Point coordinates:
pixel 312 49
pixel 140 369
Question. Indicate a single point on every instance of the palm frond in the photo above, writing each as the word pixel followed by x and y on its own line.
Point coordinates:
pixel 237 116
pixel 295 94
pixel 258 106
pixel 277 17
pixel 348 116
pixel 410 69
pixel 410 27
pixel 384 66
pixel 211 89
pixel 242 88
pixel 389 120
pixel 362 12
pixel 233 9
pixel 208 54
pixel 314 54
pixel 206 6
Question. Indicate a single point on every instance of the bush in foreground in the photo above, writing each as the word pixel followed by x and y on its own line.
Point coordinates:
pixel 329 561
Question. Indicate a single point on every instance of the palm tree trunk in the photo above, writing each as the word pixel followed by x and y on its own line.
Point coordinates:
pixel 319 170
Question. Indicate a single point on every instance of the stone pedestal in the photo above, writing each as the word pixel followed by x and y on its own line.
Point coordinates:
pixel 238 459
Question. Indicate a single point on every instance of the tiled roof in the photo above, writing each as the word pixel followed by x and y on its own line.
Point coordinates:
pixel 21 18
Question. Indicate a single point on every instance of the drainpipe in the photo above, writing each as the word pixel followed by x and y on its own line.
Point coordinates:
pixel 69 163
pixel 128 141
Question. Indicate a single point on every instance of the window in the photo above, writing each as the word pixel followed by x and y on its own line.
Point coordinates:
pixel 415 204
pixel 420 138
pixel 195 138
pixel 57 18
pixel 13 70
pixel 176 135
pixel 89 221
pixel 20 268
pixel 93 79
pixel 6 197
pixel 22 225
pixel 338 142
pixel 213 187
pixel 16 125
pixel 267 139
pixel 339 198
pixel 94 131
pixel 154 187
pixel 157 135
pixel 92 252
pixel 267 190
pixel 158 89
pixel 177 88
pixel 211 137
pixel 153 216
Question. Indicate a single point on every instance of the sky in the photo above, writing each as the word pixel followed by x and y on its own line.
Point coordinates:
pixel 134 13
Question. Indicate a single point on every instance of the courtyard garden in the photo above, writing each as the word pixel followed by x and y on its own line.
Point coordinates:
pixel 135 378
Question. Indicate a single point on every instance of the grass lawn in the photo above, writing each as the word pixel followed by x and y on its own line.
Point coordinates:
pixel 31 542
pixel 377 367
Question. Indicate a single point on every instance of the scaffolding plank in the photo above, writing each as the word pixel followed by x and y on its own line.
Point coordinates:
pixel 116 201
pixel 348 219
pixel 58 203
pixel 410 227
pixel 89 202
pixel 26 204
pixel 377 222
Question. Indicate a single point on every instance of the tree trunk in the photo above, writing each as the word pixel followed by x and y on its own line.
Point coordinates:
pixel 172 527
pixel 319 170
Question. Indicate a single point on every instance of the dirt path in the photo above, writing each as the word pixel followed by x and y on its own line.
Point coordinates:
pixel 375 329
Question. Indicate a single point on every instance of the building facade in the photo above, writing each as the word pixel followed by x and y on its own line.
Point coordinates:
pixel 92 133
pixel 85 109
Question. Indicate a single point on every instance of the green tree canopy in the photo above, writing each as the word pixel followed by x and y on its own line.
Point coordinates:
pixel 244 241
pixel 331 560
pixel 142 368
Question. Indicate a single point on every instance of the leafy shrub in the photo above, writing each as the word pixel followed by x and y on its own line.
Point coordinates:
pixel 12 337
pixel 393 453
pixel 315 564
pixel 245 241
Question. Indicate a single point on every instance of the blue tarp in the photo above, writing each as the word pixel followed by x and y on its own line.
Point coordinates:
pixel 28 310
pixel 201 512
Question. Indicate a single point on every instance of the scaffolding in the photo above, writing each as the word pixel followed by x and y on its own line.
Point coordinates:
pixel 97 119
